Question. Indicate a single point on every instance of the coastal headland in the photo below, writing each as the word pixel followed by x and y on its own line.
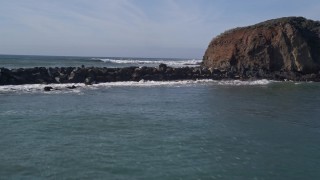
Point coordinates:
pixel 290 45
pixel 279 49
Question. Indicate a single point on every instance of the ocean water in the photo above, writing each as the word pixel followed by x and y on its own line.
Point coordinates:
pixel 201 129
pixel 18 61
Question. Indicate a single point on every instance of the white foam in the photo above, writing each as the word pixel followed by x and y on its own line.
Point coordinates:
pixel 63 88
pixel 193 62
pixel 245 83
pixel 39 88
pixel 143 83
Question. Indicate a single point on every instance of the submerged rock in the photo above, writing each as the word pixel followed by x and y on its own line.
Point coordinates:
pixel 48 88
pixel 71 87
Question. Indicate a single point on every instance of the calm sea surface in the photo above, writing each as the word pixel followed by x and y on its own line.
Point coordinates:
pixel 158 130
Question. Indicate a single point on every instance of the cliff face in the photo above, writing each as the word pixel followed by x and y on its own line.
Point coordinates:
pixel 285 44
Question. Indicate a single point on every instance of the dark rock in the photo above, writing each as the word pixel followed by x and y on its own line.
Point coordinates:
pixel 110 78
pixel 169 70
pixel 101 79
pixel 21 79
pixel 69 70
pixel 136 76
pixel 53 72
pixel 77 76
pixel 48 88
pixel 71 87
pixel 89 81
pixel 61 78
pixel 162 67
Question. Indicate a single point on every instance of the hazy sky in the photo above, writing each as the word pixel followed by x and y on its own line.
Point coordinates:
pixel 132 28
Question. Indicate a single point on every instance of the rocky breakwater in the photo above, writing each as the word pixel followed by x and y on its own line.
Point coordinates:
pixel 90 75
pixel 280 49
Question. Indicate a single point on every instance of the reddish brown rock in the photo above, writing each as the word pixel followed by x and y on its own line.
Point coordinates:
pixel 284 44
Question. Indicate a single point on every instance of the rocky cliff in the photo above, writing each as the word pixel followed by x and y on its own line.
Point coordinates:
pixel 290 44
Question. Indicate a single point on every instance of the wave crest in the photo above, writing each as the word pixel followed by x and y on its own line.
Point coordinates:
pixel 244 83
pixel 193 62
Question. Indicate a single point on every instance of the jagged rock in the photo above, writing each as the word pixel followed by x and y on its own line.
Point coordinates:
pixel 162 67
pixel 89 81
pixel 77 76
pixel 136 76
pixel 53 72
pixel 284 44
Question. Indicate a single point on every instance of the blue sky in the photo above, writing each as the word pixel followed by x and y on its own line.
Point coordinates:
pixel 132 28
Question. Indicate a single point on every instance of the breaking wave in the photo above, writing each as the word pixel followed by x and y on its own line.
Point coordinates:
pixel 79 87
pixel 192 62
pixel 245 83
